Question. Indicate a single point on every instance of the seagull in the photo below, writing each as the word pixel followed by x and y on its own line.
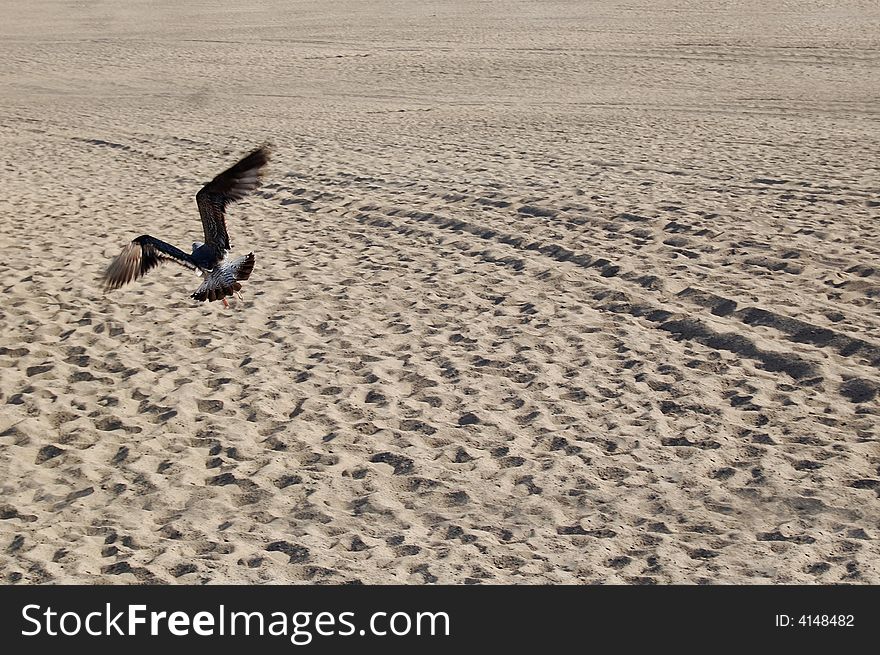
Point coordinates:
pixel 222 273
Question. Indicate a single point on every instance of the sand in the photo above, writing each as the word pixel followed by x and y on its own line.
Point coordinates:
pixel 545 292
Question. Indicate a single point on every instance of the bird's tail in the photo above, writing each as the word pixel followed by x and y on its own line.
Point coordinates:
pixel 224 281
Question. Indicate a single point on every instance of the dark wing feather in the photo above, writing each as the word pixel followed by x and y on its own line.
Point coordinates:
pixel 139 257
pixel 231 185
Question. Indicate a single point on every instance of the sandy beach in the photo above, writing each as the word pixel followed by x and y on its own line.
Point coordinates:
pixel 545 292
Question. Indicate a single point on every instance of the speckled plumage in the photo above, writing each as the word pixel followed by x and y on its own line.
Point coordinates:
pixel 211 259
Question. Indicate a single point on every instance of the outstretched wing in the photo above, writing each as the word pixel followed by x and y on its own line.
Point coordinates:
pixel 139 257
pixel 231 185
pixel 223 280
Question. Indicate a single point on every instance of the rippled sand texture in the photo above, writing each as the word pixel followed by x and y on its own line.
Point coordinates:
pixel 546 292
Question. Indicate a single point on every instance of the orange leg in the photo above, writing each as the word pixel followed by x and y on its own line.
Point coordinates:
pixel 225 304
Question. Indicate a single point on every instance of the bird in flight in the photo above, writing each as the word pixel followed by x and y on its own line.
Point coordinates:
pixel 222 273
